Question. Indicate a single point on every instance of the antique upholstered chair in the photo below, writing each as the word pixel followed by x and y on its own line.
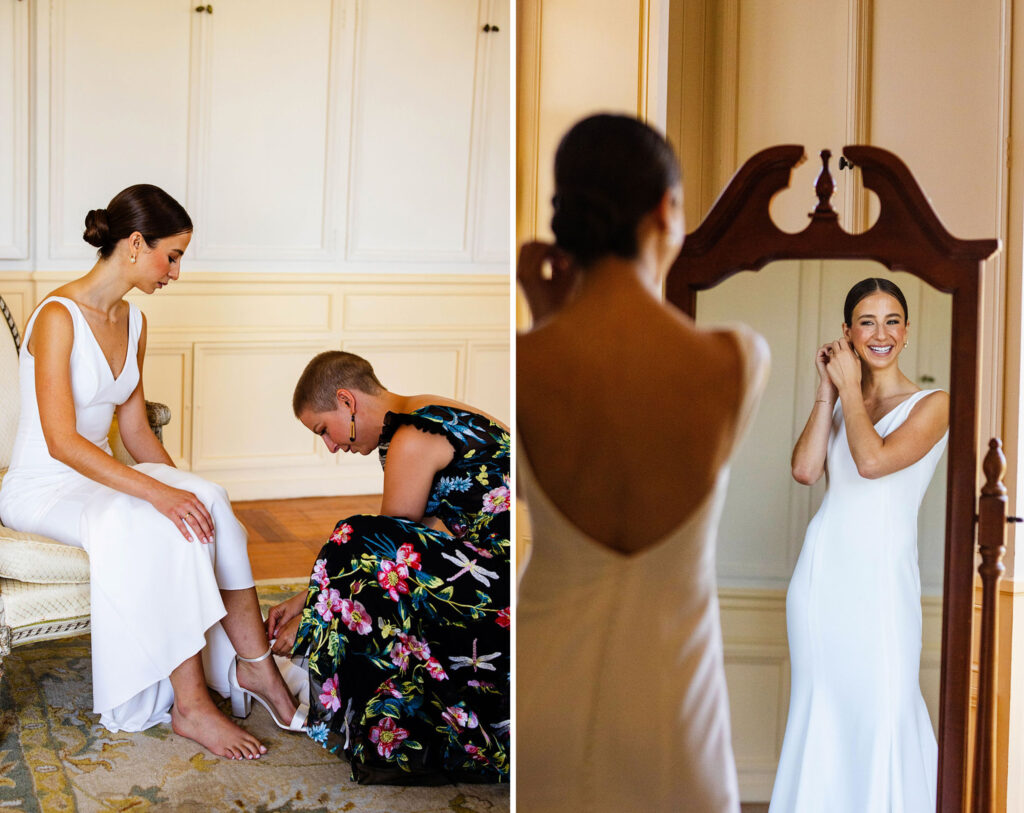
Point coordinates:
pixel 44 585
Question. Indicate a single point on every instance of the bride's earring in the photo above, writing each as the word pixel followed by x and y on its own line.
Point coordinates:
pixel 906 344
pixel 352 429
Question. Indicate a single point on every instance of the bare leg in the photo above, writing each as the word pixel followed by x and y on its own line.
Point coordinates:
pixel 244 626
pixel 194 715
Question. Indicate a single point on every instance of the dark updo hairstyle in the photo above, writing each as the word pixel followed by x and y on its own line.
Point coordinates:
pixel 142 208
pixel 610 171
pixel 868 286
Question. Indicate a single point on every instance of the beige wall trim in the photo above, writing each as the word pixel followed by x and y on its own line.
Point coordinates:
pixel 652 76
pixel 727 48
pixel 858 103
pixel 529 19
pixel 224 352
pixel 643 61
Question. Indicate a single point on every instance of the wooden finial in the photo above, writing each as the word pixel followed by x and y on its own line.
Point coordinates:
pixel 994 467
pixel 824 187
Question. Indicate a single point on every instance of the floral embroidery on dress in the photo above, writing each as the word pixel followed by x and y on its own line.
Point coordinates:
pixel 406 660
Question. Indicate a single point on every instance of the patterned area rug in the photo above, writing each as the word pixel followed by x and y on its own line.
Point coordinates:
pixel 55 756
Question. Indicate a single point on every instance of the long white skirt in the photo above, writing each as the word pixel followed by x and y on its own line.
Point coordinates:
pixel 155 596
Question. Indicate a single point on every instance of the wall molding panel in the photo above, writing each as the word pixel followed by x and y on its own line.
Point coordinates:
pixel 224 351
pixel 858 105
pixel 14 132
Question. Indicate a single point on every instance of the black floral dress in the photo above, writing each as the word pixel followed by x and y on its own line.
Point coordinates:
pixel 407 628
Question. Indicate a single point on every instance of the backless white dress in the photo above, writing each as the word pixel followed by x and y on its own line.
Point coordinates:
pixel 155 596
pixel 858 736
pixel 621 694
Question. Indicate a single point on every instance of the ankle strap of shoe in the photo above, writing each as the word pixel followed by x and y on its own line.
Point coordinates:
pixel 262 657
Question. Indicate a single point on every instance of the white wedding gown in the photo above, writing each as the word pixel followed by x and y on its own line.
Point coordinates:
pixel 858 736
pixel 620 682
pixel 155 596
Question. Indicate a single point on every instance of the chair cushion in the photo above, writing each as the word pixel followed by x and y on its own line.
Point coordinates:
pixel 31 558
pixel 44 610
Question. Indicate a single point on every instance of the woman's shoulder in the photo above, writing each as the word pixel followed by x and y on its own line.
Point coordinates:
pixel 445 417
pixel 54 314
pixel 933 401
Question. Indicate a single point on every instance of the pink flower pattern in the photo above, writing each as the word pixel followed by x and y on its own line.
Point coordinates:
pixel 454 581
pixel 496 500
pixel 328 603
pixel 392 578
pixel 388 736
pixel 355 616
pixel 407 556
pixel 342 534
pixel 329 698
pixel 320 573
pixel 400 657
pixel 435 669
pixel 421 649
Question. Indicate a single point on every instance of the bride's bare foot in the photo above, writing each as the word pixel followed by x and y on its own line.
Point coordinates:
pixel 204 723
pixel 264 679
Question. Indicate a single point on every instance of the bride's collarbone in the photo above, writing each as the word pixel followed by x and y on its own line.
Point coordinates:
pixel 878 408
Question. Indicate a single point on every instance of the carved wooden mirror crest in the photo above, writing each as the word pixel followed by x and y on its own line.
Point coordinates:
pixel 739 234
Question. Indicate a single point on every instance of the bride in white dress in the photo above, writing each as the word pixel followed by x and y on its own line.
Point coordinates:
pixel 858 736
pixel 628 416
pixel 171 588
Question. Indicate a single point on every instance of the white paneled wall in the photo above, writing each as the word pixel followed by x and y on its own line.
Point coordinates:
pixel 346 166
pixel 316 135
pixel 118 110
pixel 264 102
pixel 14 130
pixel 225 350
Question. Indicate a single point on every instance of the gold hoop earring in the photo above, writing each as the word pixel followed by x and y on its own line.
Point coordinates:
pixel 352 429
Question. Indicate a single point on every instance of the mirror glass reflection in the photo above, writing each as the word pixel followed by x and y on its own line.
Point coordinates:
pixel 797 306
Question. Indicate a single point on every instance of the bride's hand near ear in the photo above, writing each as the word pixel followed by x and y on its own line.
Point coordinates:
pixel 826 389
pixel 844 368
pixel 545 295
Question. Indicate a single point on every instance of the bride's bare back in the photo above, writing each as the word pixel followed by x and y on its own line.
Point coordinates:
pixel 627 412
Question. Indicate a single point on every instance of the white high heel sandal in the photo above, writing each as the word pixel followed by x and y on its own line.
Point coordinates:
pixel 241 698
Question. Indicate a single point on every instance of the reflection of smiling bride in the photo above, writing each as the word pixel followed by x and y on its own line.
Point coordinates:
pixel 858 736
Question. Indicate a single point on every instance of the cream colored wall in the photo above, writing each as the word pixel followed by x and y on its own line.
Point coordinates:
pixel 752 74
pixel 224 352
pixel 933 87
pixel 346 165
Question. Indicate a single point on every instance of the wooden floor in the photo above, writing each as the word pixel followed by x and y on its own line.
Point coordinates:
pixel 286 535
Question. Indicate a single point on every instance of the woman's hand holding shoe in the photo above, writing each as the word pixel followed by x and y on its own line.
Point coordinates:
pixel 283 623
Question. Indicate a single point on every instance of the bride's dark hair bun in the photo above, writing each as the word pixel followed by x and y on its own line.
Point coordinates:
pixel 142 208
pixel 610 171
pixel 97 230
pixel 588 225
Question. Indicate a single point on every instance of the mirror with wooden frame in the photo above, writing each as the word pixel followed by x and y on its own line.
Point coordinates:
pixel 942 277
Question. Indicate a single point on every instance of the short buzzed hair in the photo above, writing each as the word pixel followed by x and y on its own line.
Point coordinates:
pixel 329 372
